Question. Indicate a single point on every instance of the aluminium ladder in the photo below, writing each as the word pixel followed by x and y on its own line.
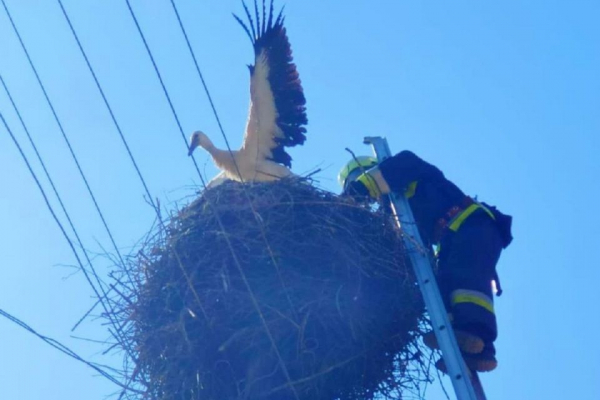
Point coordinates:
pixel 465 382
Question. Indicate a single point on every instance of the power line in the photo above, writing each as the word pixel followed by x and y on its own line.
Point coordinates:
pixel 117 333
pixel 154 205
pixel 59 198
pixel 64 349
pixel 204 85
pixel 162 84
pixel 112 115
pixel 106 308
pixel 64 135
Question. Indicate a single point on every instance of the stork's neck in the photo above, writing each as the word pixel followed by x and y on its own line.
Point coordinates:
pixel 207 145
pixel 223 158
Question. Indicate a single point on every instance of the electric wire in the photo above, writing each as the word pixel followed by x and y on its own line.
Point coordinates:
pixel 61 203
pixel 162 84
pixel 112 115
pixel 220 222
pixel 64 135
pixel 132 158
pixel 204 85
pixel 64 349
pixel 117 333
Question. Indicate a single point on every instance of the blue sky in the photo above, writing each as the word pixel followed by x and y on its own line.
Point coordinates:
pixel 503 97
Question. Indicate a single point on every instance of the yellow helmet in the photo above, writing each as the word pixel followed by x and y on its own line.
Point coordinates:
pixel 354 168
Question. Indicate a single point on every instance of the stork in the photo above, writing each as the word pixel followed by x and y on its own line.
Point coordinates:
pixel 277 113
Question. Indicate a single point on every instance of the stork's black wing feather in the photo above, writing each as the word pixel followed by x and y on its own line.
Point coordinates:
pixel 251 23
pixel 245 27
pixel 283 78
pixel 264 18
pixel 270 14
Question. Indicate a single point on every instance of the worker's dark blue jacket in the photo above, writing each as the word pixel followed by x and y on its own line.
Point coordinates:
pixel 431 196
pixel 468 256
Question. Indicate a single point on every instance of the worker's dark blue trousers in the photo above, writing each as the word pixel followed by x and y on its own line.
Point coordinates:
pixel 466 267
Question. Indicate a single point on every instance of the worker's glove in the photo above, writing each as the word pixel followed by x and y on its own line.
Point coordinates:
pixel 364 187
pixel 358 191
pixel 370 183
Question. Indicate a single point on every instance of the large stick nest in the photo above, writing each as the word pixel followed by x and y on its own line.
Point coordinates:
pixel 273 291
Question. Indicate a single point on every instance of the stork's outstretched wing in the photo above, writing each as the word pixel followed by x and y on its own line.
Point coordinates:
pixel 277 105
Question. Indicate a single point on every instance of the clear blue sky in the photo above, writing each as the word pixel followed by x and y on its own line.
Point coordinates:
pixel 503 97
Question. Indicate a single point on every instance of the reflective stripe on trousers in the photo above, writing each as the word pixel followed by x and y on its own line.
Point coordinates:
pixel 474 297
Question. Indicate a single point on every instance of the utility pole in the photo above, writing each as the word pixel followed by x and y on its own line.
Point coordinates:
pixel 465 382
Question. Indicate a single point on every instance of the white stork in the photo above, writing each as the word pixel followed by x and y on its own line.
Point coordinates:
pixel 277 108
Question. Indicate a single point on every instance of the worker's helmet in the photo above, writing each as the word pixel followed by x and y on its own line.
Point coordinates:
pixel 354 168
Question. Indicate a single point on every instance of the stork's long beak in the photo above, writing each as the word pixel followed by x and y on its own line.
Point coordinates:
pixel 193 145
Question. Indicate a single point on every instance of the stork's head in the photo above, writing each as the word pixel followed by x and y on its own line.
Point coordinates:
pixel 198 138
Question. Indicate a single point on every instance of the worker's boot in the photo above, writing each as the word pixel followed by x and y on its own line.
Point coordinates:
pixel 485 361
pixel 482 362
pixel 467 342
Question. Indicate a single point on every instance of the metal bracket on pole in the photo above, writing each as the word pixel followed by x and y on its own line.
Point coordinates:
pixel 421 261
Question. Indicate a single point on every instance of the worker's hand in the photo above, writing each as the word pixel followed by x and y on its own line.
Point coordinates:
pixel 363 187
pixel 370 184
pixel 357 191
